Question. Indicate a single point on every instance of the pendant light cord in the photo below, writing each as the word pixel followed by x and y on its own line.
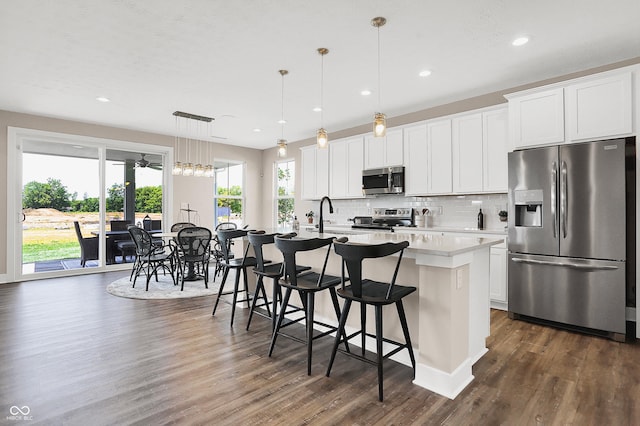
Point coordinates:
pixel 379 87
pixel 322 91
pixel 282 109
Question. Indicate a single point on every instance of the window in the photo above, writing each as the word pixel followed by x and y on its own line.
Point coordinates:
pixel 229 198
pixel 285 193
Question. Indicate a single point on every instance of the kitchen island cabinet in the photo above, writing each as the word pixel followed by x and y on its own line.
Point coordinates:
pixel 449 314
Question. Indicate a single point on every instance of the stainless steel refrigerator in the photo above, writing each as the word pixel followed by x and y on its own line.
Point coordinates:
pixel 567 239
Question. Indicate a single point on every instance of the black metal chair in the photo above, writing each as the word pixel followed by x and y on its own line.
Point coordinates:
pixel 120 244
pixel 375 293
pixel 265 269
pixel 192 245
pixel 176 227
pixel 307 285
pixel 216 249
pixel 240 265
pixel 88 246
pixel 150 257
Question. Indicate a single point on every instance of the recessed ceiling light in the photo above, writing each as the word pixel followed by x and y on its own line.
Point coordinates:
pixel 102 99
pixel 424 73
pixel 256 130
pixel 317 109
pixel 282 121
pixel 520 41
pixel 365 92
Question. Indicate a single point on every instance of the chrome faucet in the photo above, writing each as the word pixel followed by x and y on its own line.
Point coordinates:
pixel 321 224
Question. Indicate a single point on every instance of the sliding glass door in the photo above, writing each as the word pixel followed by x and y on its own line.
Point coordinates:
pixel 73 199
pixel 60 204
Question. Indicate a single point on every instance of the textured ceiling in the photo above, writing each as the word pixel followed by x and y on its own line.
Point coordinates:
pixel 221 58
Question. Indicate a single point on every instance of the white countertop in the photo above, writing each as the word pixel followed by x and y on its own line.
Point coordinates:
pixel 419 242
pixel 413 230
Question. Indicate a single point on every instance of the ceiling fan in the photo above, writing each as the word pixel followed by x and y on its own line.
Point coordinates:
pixel 143 163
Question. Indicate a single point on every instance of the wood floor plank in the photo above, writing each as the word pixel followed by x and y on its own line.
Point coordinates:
pixel 77 355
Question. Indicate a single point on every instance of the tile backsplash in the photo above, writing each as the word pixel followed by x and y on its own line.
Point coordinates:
pixel 444 211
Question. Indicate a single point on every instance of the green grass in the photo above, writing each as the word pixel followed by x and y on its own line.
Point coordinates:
pixel 50 251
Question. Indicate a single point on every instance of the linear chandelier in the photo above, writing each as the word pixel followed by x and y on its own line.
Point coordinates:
pixel 184 134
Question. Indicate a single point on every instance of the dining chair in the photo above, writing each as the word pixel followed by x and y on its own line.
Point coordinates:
pixel 239 265
pixel 306 285
pixel 374 293
pixel 88 246
pixel 267 269
pixel 216 249
pixel 193 254
pixel 150 257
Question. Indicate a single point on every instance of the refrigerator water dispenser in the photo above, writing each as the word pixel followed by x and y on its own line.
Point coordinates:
pixel 528 205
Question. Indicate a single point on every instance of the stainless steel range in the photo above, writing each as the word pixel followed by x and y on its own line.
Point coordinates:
pixel 385 219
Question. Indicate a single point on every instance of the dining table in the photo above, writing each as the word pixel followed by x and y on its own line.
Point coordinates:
pixel 114 236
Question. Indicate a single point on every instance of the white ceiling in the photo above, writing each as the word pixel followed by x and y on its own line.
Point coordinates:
pixel 221 58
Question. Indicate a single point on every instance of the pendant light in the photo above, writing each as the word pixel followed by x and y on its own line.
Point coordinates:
pixel 321 135
pixel 379 119
pixel 282 142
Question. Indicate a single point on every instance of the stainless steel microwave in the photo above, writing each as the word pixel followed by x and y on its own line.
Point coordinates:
pixel 387 180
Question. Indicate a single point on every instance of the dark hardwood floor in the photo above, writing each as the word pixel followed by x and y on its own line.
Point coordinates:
pixel 76 355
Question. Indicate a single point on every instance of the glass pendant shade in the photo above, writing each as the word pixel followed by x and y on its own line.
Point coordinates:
pixel 187 169
pixel 177 168
pixel 282 147
pixel 208 171
pixel 322 138
pixel 379 125
pixel 198 170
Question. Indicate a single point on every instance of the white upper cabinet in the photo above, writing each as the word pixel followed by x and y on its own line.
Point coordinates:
pixel 600 108
pixel 467 153
pixel 415 160
pixel 346 161
pixel 385 151
pixel 495 145
pixel 439 163
pixel 537 118
pixel 315 173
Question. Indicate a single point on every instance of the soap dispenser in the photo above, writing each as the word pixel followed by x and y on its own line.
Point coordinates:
pixel 480 220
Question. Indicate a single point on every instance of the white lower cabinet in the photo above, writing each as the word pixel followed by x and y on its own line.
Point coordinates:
pixel 498 277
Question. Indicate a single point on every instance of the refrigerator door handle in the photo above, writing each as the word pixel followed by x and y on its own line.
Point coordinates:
pixel 554 180
pixel 566 264
pixel 563 198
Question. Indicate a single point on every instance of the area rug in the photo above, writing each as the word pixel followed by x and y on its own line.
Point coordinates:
pixel 163 289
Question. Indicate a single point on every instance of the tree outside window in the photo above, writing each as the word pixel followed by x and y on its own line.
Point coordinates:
pixel 229 198
pixel 285 193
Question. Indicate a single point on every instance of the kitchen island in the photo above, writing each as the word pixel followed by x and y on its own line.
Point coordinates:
pixel 449 314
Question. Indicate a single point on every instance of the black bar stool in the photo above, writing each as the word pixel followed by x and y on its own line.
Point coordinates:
pixel 375 293
pixel 307 285
pixel 238 264
pixel 263 270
